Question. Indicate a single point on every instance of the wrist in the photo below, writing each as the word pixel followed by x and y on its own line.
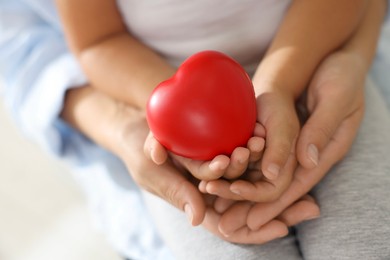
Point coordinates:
pixel 265 86
pixel 130 132
pixel 99 117
pixel 278 72
pixel 356 59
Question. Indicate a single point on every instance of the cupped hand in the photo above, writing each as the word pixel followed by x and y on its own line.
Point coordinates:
pixel 164 180
pixel 335 103
pixel 266 179
pixel 122 130
pixel 217 223
pixel 335 100
pixel 228 167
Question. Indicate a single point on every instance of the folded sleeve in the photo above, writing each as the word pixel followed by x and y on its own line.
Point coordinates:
pixel 36 70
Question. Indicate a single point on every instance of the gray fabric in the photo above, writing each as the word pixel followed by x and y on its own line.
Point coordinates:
pixel 355 208
pixel 355 196
pixel 187 242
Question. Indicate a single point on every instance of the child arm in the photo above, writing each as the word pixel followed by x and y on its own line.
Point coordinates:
pixel 310 31
pixel 114 61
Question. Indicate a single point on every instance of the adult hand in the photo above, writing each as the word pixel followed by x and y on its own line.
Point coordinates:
pixel 172 184
pixel 229 167
pixel 303 209
pixel 122 130
pixel 335 102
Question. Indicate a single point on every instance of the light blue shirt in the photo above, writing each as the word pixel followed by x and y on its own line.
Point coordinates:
pixel 37 69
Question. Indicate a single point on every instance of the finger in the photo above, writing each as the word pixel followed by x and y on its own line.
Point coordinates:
pixel 170 185
pixel 318 131
pixel 221 188
pixel 282 126
pixel 202 186
pixel 270 231
pixel 259 130
pixel 154 150
pixel 256 147
pixel 265 190
pixel 234 218
pixel 221 204
pixel 304 179
pixel 238 163
pixel 304 209
pixel 256 143
pixel 205 170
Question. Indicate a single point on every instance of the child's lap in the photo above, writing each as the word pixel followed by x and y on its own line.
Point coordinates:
pixel 353 197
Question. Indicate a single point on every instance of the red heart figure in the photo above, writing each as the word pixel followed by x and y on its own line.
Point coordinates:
pixel 207 108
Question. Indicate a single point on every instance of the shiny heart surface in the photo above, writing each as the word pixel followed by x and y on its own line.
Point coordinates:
pixel 207 108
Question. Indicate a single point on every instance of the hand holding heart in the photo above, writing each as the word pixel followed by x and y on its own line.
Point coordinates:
pixel 207 110
pixel 232 167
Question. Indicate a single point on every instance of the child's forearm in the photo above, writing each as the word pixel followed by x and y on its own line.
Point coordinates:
pixel 365 39
pixel 310 31
pixel 114 61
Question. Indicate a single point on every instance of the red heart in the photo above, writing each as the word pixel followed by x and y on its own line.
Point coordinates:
pixel 207 108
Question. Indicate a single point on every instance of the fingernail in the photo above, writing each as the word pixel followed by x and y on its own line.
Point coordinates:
pixel 189 213
pixel 225 235
pixel 274 170
pixel 312 153
pixel 223 232
pixel 217 165
pixel 284 234
pixel 236 192
pixel 312 217
pixel 202 186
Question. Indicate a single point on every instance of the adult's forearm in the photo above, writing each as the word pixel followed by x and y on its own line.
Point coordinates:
pixel 90 112
pixel 364 41
pixel 309 32
pixel 101 118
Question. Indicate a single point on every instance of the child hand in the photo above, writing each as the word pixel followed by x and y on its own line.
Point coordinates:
pixel 259 184
pixel 220 166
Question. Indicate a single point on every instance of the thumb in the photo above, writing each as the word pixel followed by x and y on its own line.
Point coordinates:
pixel 154 150
pixel 318 130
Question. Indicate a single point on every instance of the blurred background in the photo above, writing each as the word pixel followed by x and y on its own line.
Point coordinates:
pixel 43 215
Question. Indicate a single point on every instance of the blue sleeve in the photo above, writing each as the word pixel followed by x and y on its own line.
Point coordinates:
pixel 36 69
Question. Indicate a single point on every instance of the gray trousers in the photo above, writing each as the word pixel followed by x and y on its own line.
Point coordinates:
pixel 354 198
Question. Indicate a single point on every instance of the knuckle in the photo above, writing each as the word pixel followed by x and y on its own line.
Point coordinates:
pixel 324 133
pixel 281 150
pixel 139 173
pixel 273 196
